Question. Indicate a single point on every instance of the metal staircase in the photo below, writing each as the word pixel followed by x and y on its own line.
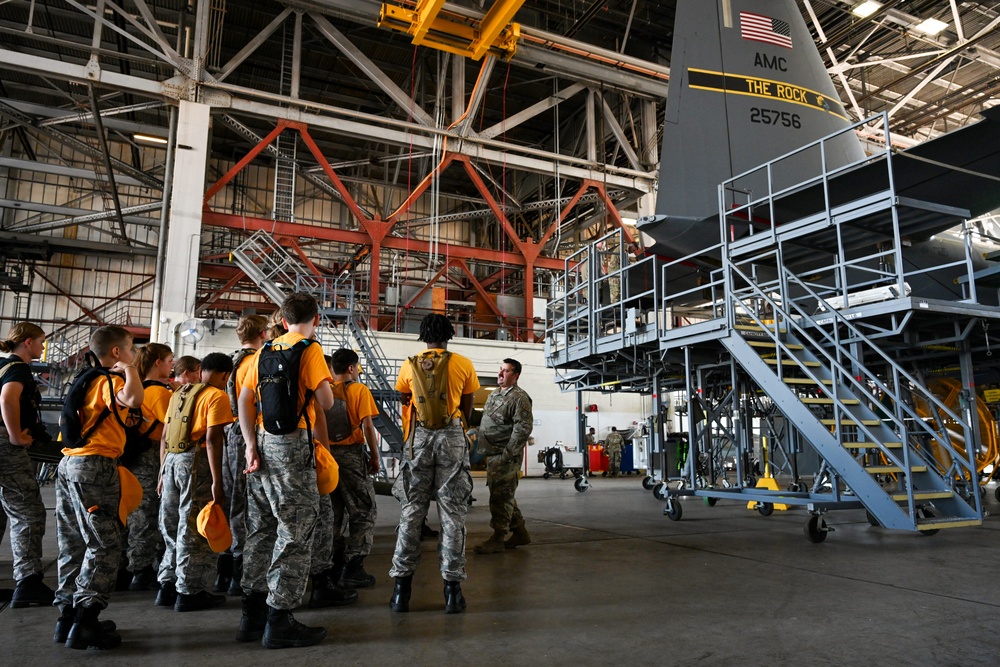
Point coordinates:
pixel 342 320
pixel 810 337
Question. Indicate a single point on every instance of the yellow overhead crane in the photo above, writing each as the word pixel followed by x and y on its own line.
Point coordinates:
pixel 454 33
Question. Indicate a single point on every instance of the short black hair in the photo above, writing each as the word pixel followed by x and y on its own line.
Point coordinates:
pixel 435 328
pixel 342 359
pixel 217 361
pixel 515 363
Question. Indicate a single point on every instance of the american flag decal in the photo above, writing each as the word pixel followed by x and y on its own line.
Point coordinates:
pixel 765 29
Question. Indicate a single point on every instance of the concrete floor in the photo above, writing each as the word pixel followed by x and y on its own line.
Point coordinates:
pixel 608 579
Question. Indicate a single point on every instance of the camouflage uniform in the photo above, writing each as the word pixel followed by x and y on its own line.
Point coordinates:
pixel 507 423
pixel 22 502
pixel 354 509
pixel 613 446
pixel 88 530
pixel 323 536
pixel 436 464
pixel 144 542
pixel 282 506
pixel 234 483
pixel 615 281
pixel 188 561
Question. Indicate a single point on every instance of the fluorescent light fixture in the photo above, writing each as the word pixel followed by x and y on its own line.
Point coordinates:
pixel 866 8
pixel 931 27
pixel 149 139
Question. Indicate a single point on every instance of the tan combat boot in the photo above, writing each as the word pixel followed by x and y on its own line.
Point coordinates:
pixel 518 538
pixel 494 545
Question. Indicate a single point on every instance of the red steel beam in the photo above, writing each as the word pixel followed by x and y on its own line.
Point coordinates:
pixel 331 234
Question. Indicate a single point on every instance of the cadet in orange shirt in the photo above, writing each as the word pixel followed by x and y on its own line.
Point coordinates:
pixel 282 497
pixel 191 478
pixel 88 491
pixel 142 457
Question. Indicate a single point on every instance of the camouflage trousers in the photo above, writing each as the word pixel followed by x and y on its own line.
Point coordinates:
pixel 614 462
pixel 436 465
pixel 354 509
pixel 87 529
pixel 282 505
pixel 322 539
pixel 234 483
pixel 502 479
pixel 188 561
pixel 145 544
pixel 22 502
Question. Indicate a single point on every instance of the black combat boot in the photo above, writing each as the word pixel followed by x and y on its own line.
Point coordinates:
pixel 167 597
pixel 326 593
pixel 354 575
pixel 454 601
pixel 426 532
pixel 254 617
pixel 236 585
pixel 67 616
pixel 143 580
pixel 198 601
pixel 283 631
pixel 31 590
pixel 88 632
pixel 400 600
pixel 224 573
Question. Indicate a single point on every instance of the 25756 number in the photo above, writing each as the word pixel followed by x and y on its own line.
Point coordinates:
pixel 772 117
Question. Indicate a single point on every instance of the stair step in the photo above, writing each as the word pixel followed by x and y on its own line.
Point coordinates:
pixel 870 445
pixel 793 362
pixel 829 401
pixel 767 343
pixel 947 522
pixel 924 495
pixel 850 422
pixel 751 327
pixel 805 381
pixel 893 469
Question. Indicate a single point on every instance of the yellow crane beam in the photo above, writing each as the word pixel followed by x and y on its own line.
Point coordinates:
pixel 471 39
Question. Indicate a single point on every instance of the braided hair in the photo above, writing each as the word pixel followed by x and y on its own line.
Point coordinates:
pixel 435 328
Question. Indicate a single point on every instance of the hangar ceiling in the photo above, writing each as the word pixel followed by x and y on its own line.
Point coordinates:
pixel 576 111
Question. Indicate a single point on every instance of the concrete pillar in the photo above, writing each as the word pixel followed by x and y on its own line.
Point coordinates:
pixel 177 300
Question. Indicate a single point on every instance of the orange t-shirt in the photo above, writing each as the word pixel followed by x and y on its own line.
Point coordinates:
pixel 155 399
pixel 241 373
pixel 212 409
pixel 462 379
pixel 313 371
pixel 360 404
pixel 108 439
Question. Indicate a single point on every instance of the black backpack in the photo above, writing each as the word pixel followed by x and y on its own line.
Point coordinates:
pixel 338 420
pixel 137 440
pixel 70 423
pixel 278 387
pixel 231 388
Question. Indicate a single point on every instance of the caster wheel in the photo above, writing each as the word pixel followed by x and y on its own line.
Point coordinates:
pixel 562 475
pixel 924 513
pixel 795 487
pixel 816 529
pixel 765 509
pixel 726 484
pixel 710 502
pixel 546 475
pixel 673 509
pixel 648 483
pixel 871 519
pixel 581 484
pixel 996 493
pixel 660 491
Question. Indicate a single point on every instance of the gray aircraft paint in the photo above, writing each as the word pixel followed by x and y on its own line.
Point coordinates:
pixel 736 102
